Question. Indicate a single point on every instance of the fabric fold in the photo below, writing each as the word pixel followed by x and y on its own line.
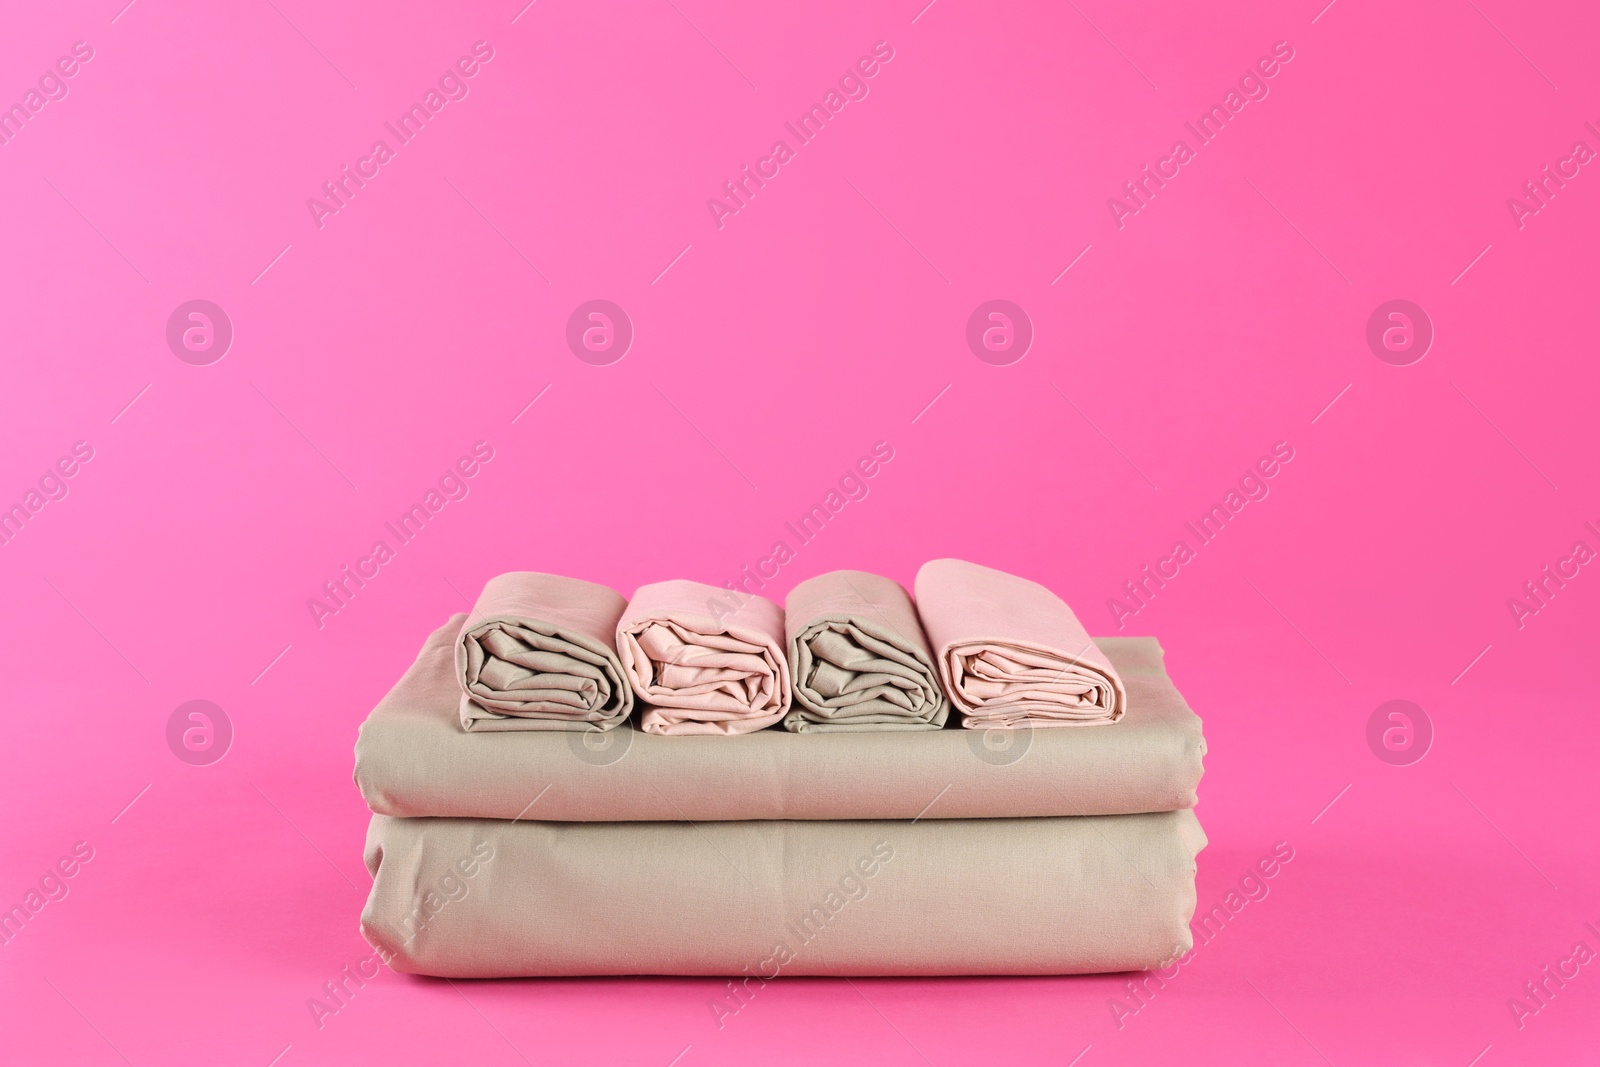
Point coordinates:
pixel 482 898
pixel 858 657
pixel 700 669
pixel 1011 653
pixel 538 652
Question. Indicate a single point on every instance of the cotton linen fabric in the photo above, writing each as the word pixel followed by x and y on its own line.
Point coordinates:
pixel 700 671
pixel 858 657
pixel 1011 653
pixel 472 898
pixel 538 652
pixel 412 759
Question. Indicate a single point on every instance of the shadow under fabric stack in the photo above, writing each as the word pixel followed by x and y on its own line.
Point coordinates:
pixel 795 795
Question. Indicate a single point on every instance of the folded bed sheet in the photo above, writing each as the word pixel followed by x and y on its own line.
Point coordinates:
pixel 1011 652
pixel 701 671
pixel 413 759
pixel 858 657
pixel 538 652
pixel 477 898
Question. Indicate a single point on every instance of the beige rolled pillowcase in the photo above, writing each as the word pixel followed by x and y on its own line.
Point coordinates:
pixel 538 652
pixel 698 668
pixel 1011 653
pixel 858 657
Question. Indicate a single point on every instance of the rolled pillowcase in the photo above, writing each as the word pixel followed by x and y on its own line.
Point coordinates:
pixel 538 652
pixel 1011 653
pixel 700 669
pixel 859 658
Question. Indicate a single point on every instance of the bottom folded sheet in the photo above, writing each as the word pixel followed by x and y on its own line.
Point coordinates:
pixel 490 898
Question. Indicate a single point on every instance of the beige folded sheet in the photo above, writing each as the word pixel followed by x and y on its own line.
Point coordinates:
pixel 538 652
pixel 700 672
pixel 1011 653
pixel 474 898
pixel 858 657
pixel 412 759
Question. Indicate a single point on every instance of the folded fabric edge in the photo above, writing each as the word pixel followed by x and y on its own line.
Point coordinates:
pixel 474 722
pixel 948 659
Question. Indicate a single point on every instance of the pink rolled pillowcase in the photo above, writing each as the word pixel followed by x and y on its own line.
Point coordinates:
pixel 698 668
pixel 1011 653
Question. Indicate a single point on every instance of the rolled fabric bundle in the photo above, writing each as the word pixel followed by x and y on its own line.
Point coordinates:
pixel 700 670
pixel 538 652
pixel 858 657
pixel 1011 653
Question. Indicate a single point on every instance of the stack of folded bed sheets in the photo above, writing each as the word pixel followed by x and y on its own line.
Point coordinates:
pixel 699 782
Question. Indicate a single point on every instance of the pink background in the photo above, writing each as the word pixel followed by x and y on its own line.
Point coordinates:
pixel 769 354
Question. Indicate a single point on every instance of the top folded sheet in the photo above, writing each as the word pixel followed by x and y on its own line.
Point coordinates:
pixel 1011 652
pixel 413 759
pixel 539 652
